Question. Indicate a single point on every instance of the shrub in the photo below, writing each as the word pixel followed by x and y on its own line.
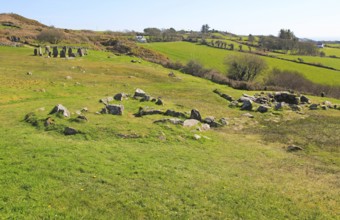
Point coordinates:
pixel 292 80
pixel 53 36
pixel 244 67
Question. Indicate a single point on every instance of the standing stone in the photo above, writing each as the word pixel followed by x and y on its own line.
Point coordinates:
pixel 62 53
pixel 80 52
pixel 40 51
pixel 69 52
pixel 304 99
pixel 55 52
pixel 47 50
pixel 195 114
pixel 35 52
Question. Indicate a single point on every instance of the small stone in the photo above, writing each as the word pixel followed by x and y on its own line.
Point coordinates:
pixel 263 108
pixel 70 131
pixel 247 105
pixel 293 148
pixel 205 127
pixel 197 137
pixel 48 121
pixel 68 77
pixel 304 99
pixel 120 96
pixel 139 93
pixel 29 73
pixel 248 115
pixel 313 107
pixel 159 102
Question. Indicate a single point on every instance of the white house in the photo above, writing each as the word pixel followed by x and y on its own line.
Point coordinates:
pixel 320 45
pixel 141 39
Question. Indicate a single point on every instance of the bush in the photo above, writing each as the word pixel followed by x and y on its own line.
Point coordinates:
pixel 244 67
pixel 53 36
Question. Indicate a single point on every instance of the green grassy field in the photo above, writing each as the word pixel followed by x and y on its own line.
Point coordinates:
pixel 214 58
pixel 125 167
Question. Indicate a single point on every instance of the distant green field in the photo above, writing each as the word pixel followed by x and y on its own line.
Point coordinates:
pixel 331 51
pixel 214 58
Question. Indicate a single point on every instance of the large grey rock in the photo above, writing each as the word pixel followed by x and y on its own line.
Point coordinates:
pixel 115 109
pixel 247 105
pixel 287 98
pixel 60 109
pixel 195 114
pixel 190 122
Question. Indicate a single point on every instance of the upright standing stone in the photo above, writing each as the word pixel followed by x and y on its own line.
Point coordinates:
pixel 80 52
pixel 47 50
pixel 35 52
pixel 195 114
pixel 69 52
pixel 55 52
pixel 40 51
pixel 62 53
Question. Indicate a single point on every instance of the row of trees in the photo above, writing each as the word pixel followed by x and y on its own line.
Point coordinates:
pixel 158 35
pixel 287 41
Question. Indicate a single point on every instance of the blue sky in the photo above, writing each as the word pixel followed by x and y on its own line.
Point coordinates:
pixel 306 18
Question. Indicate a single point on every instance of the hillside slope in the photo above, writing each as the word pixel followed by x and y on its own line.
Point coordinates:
pixel 129 167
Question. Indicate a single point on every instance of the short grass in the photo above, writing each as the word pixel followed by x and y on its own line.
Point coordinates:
pixel 214 58
pixel 240 171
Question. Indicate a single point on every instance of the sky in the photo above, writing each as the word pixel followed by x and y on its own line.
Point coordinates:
pixel 313 19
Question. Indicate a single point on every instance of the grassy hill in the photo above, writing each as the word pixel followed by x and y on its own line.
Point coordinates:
pixel 128 167
pixel 214 58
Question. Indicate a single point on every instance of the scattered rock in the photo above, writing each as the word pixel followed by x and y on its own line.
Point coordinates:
pixel 60 109
pixel 139 93
pixel 247 105
pixel 142 112
pixel 81 118
pixel 197 137
pixel 304 99
pixel 287 98
pixel 263 108
pixel 174 121
pixel 327 103
pixel 314 107
pixel 223 121
pixel 227 97
pixel 248 115
pixel 48 121
pixel 115 109
pixel 295 107
pixel 293 148
pixel 159 102
pixel 324 107
pixel 171 74
pixel 195 114
pixel 190 122
pixel 279 106
pixel 146 98
pixel 233 104
pixel 120 96
pixel 29 73
pixel 68 77
pixel 70 131
pixel 106 100
pixel 174 114
pixel 205 127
